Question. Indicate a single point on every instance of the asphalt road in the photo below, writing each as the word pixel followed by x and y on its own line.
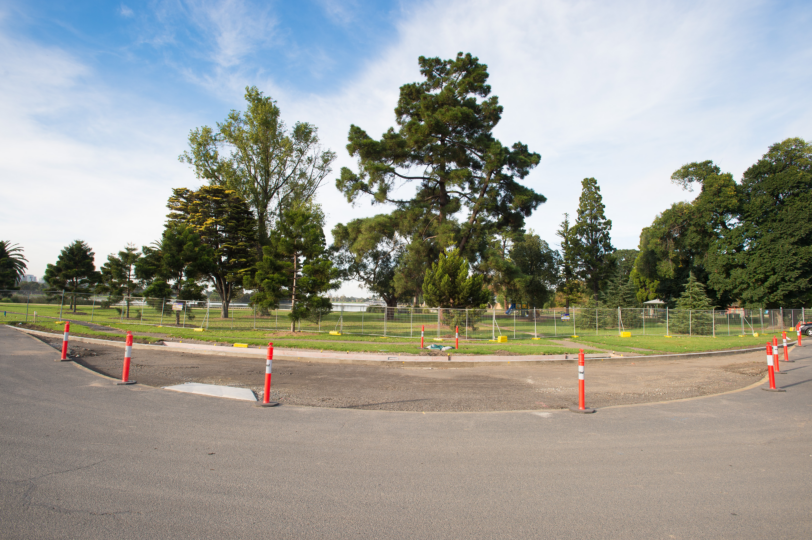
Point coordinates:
pixel 83 458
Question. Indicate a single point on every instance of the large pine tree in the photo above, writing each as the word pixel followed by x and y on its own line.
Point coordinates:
pixel 296 266
pixel 225 224
pixel 569 286
pixel 692 315
pixel 74 271
pixel 593 244
pixel 118 277
pixel 466 183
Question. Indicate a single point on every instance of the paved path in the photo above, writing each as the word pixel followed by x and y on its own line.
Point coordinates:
pixel 83 458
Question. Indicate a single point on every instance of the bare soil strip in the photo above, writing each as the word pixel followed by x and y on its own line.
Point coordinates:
pixel 396 388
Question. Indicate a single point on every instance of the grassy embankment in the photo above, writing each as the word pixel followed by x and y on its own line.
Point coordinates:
pixel 240 330
pixel 678 344
pixel 341 343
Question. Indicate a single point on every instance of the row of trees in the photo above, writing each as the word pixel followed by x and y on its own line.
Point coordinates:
pixel 748 243
pixel 458 238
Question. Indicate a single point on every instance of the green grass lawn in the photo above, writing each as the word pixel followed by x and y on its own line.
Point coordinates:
pixel 372 346
pixel 240 329
pixel 678 344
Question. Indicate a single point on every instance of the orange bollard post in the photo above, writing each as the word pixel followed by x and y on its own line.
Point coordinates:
pixel 128 353
pixel 786 350
pixel 65 342
pixel 457 338
pixel 771 371
pixel 581 397
pixel 775 355
pixel 266 398
pixel 422 329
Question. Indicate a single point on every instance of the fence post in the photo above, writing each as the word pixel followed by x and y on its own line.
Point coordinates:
pixel 761 318
pixel 184 314
pixel 439 312
pixel 362 320
pixel 385 316
pixel 535 329
pixel 163 305
pixel 781 311
pixel 28 301
pixel 619 322
pixel 411 319
pixel 574 330
pixel 514 322
pixel 690 312
pixel 555 323
pixel 741 318
pixel 667 333
pixel 61 303
pixel 92 308
pixel 255 318
pixel 596 321
pixel 713 320
pixel 466 323
pixel 727 314
pixel 341 319
pixel 208 304
pixel 493 323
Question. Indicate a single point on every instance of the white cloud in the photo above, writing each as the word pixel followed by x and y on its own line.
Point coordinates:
pixel 79 160
pixel 125 11
pixel 338 11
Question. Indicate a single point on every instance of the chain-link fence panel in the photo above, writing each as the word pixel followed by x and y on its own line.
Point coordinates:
pixel 517 323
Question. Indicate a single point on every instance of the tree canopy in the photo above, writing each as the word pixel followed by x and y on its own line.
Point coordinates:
pixel 766 259
pixel 592 244
pixel 369 250
pixel 447 284
pixel 226 226
pixel 683 238
pixel 74 271
pixel 175 265
pixel 445 146
pixel 118 277
pixel 12 265
pixel 255 154
pixel 538 269
pixel 296 266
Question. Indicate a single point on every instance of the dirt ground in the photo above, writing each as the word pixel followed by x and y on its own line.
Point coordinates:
pixel 399 388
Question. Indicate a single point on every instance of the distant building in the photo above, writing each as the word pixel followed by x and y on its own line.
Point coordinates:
pixel 30 278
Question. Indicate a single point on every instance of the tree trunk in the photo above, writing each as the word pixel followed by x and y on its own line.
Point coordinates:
pixel 224 291
pixel 293 291
pixel 390 303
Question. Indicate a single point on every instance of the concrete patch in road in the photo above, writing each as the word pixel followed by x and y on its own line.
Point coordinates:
pixel 214 390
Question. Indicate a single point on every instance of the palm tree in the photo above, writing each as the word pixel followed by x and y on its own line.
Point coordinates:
pixel 12 265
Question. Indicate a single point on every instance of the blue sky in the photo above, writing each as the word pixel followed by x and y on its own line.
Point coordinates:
pixel 97 98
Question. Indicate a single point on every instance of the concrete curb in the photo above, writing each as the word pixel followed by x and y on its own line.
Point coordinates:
pixel 390 360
